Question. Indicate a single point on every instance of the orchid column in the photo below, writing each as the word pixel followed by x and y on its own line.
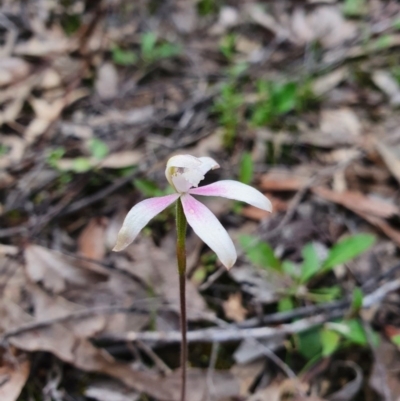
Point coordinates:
pixel 184 172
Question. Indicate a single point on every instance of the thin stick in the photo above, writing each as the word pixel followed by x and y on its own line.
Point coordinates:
pixel 181 225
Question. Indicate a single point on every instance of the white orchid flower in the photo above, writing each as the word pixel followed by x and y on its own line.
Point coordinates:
pixel 184 172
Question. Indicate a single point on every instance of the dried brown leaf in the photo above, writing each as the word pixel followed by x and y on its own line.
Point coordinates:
pixel 91 241
pixel 391 157
pixel 15 150
pixel 107 81
pixel 326 83
pixel 342 122
pixel 247 374
pixel 157 268
pixel 385 376
pixel 13 69
pixel 55 270
pixel 283 180
pixel 359 202
pixel 122 159
pixel 52 43
pixel 110 390
pixel 388 85
pixel 234 309
pixel 372 210
pixel 13 377
pixel 324 23
pixel 267 21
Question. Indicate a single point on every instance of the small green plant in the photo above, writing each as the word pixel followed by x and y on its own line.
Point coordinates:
pixel 52 159
pixel 98 148
pixel 227 106
pixel 246 168
pixel 98 151
pixel 207 7
pixel 278 99
pixel 354 8
pixel 123 57
pixel 313 265
pixel 320 341
pixel 151 51
pixel 54 156
pixel 227 46
pixel 71 23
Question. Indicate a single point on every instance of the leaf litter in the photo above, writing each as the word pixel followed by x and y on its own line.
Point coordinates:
pixel 95 97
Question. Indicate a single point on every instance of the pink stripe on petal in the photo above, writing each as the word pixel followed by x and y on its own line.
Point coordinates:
pixel 209 229
pixel 235 190
pixel 139 216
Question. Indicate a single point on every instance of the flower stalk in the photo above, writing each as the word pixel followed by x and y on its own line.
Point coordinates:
pixel 181 224
pixel 184 173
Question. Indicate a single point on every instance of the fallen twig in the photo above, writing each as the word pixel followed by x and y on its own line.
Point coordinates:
pixel 220 335
pixel 226 333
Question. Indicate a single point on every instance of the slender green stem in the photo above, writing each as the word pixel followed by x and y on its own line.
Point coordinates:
pixel 181 225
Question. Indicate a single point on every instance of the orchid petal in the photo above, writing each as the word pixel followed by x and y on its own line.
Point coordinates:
pixel 139 216
pixel 209 229
pixel 235 190
pixel 180 161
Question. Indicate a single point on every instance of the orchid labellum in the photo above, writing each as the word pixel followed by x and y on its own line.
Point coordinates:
pixel 184 172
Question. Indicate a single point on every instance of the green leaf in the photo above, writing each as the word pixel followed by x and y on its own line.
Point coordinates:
pixel 352 330
pixel 309 343
pixel 54 156
pixel 348 249
pixel 147 188
pixel 330 340
pixel 237 69
pixel 98 148
pixel 284 97
pixel 148 43
pixel 311 263
pixel 227 46
pixel 285 304
pixel 206 7
pixel 395 339
pixel 123 57
pixel 383 42
pixel 246 168
pixel 166 50
pixel 81 165
pixel 259 253
pixel 354 8
pixel 325 294
pixel 290 268
pixel 357 299
pixel 71 23
pixel 396 24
